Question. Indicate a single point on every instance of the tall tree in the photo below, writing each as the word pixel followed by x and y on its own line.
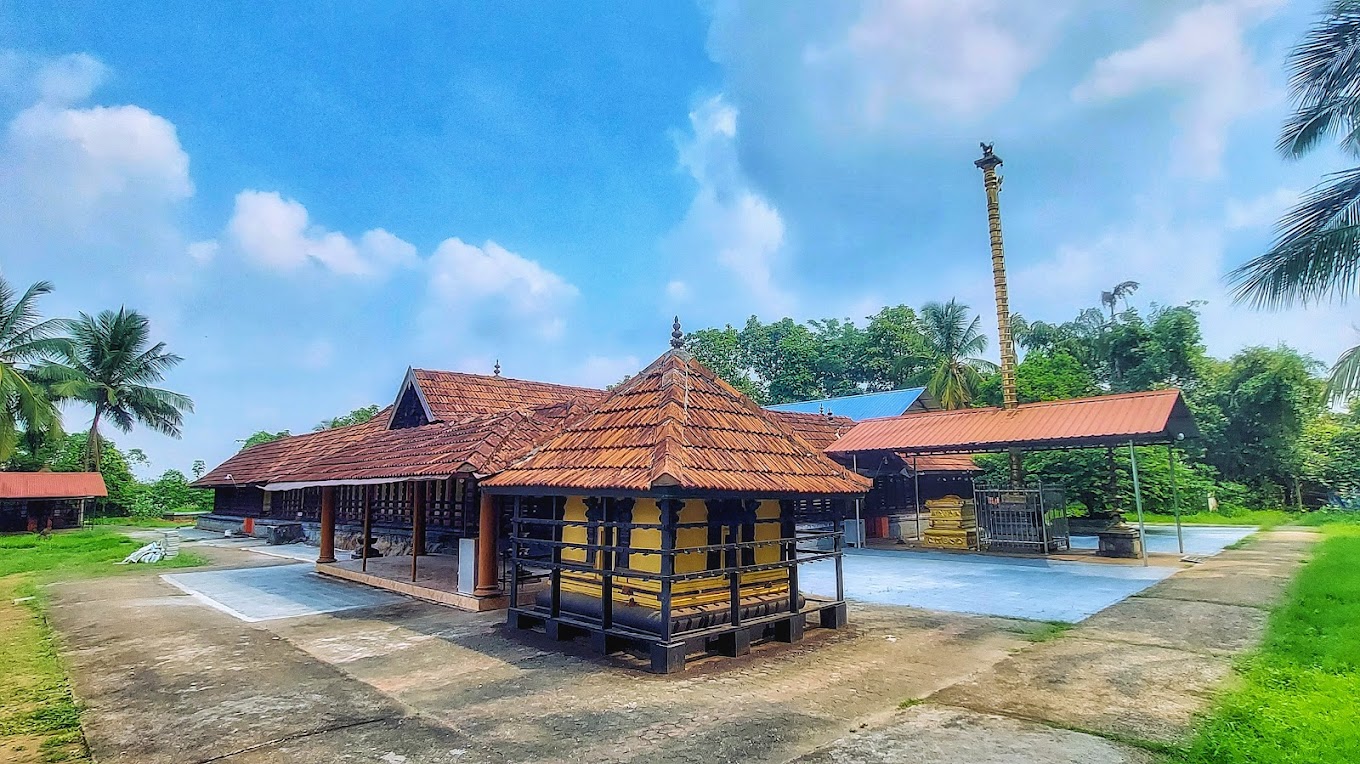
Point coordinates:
pixel 1121 291
pixel 1316 257
pixel 25 340
pixel 110 363
pixel 953 342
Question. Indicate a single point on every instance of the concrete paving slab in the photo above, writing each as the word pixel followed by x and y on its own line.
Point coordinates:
pixel 1199 540
pixel 930 734
pixel 1137 691
pixel 161 683
pixel 299 551
pixel 1247 589
pixel 1046 590
pixel 279 591
pixel 1203 627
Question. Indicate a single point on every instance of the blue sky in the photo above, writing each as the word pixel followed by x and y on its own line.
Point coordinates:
pixel 308 202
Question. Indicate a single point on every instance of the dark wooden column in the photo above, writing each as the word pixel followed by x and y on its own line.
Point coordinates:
pixel 488 533
pixel 368 523
pixel 327 524
pixel 418 510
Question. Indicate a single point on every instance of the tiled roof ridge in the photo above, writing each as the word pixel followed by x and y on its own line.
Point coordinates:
pixel 504 378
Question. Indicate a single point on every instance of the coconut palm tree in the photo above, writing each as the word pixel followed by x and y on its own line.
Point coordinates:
pixel 1316 257
pixel 110 364
pixel 25 339
pixel 954 343
pixel 1121 291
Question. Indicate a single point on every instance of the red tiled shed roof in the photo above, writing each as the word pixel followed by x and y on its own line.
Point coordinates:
pixel 819 430
pixel 1147 417
pixel 52 485
pixel 677 426
pixel 941 462
pixel 478 445
pixel 264 462
pixel 453 395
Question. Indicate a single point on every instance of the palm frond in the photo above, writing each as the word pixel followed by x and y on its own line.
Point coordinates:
pixel 1324 81
pixel 1317 254
pixel 1343 383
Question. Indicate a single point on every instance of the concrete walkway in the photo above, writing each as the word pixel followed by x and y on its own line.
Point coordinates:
pixel 1140 670
pixel 166 680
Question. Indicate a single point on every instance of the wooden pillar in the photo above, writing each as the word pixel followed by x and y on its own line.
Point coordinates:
pixel 368 522
pixel 488 532
pixel 417 524
pixel 327 524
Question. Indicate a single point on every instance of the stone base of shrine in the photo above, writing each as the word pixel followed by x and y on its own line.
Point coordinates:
pixel 436 580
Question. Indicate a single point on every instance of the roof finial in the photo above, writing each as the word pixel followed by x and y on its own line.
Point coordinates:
pixel 677 336
pixel 496 372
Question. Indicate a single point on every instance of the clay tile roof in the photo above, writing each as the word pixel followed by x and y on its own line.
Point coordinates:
pixel 269 462
pixel 819 430
pixel 1156 416
pixel 478 445
pixel 454 396
pixel 677 425
pixel 51 485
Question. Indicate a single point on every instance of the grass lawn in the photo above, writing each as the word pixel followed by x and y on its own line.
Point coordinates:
pixel 1264 518
pixel 139 522
pixel 39 720
pixel 1299 698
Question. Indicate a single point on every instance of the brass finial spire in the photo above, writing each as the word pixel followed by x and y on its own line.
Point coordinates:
pixel 496 372
pixel 677 336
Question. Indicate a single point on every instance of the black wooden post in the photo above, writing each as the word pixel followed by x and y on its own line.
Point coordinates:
pixel 515 532
pixel 368 512
pixel 558 513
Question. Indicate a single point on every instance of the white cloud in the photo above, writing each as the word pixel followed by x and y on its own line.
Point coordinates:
pixel 677 290
pixel 1175 262
pixel 316 355
pixel 495 289
pixel 203 252
pixel 727 222
pixel 1259 212
pixel 904 60
pixel 276 233
pixel 1202 56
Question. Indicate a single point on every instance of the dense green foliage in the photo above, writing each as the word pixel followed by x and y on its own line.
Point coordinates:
pixel 357 416
pixel 1269 440
pixel 1296 703
pixel 264 436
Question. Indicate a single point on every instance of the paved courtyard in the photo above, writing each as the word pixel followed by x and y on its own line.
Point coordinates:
pixel 167 679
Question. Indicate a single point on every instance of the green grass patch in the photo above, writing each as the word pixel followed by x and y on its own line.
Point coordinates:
pixel 1298 700
pixel 85 552
pixel 38 716
pixel 139 522
pixel 1265 518
pixel 39 719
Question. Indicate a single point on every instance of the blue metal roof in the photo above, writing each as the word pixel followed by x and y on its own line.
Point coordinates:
pixel 859 407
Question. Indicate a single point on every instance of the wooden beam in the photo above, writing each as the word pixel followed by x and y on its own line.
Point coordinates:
pixel 417 524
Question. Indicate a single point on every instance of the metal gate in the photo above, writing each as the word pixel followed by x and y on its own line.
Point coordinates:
pixel 1031 520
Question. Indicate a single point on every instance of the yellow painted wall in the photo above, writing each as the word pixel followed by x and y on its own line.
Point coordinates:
pixel 695 592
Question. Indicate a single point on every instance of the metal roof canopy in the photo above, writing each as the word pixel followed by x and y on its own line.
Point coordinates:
pixel 1145 418
pixel 864 405
pixel 52 485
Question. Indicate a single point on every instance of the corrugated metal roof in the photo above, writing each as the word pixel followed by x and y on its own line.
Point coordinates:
pixel 52 485
pixel 1148 417
pixel 861 407
pixel 677 425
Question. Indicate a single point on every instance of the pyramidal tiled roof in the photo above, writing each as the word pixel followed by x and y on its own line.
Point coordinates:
pixel 455 395
pixel 677 425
